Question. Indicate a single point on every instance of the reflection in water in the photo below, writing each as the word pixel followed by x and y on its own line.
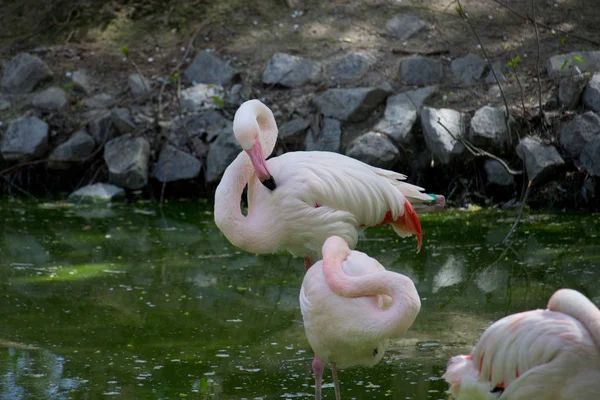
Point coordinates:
pixel 135 302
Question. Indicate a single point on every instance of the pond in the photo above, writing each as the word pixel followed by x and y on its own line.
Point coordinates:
pixel 138 302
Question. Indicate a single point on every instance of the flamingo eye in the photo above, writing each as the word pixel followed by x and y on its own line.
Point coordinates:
pixel 375 352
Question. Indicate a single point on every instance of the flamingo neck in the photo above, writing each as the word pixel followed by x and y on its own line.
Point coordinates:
pixel 390 322
pixel 575 304
pixel 255 112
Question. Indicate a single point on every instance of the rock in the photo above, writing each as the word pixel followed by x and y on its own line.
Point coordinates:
pixel 501 70
pixel 418 97
pixel 26 138
pixel 350 67
pixel 4 103
pixel 293 133
pixel 404 26
pixel 488 128
pixel 139 85
pixel 497 174
pixel 568 64
pixel 23 72
pixel 577 133
pixel 291 71
pixel 201 97
pixel 591 94
pixel 207 126
pixel 50 99
pixel 100 101
pixel 351 105
pixel 329 137
pixel 441 144
pixel 588 190
pixel 590 157
pixel 77 148
pixel 121 120
pixel 82 81
pixel 374 149
pixel 570 89
pixel 97 193
pixel 127 160
pixel 220 154
pixel 469 69
pixel 540 160
pixel 207 68
pixel 174 165
pixel 419 70
pixel 101 128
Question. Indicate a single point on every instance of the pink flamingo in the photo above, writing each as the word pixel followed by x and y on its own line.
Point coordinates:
pixel 305 197
pixel 551 354
pixel 351 307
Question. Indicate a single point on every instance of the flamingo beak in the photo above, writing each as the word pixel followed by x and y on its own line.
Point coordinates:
pixel 260 166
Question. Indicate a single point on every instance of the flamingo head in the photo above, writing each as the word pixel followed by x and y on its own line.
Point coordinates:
pixel 247 126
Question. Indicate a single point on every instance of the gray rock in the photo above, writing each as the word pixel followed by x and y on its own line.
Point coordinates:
pixel 101 128
pixel 349 67
pixel 4 103
pixel 127 160
pixel 100 101
pixel 174 165
pixel 590 157
pixel 291 71
pixel 501 70
pixel 591 94
pixel 23 72
pixel 50 99
pixel 374 149
pixel 97 193
pixel 570 89
pixel 418 97
pixel 207 68
pixel 293 133
pixel 77 148
pixel 82 81
pixel 352 105
pixel 540 160
pixel 441 144
pixel 588 190
pixel 488 128
pixel 329 137
pixel 139 85
pixel 577 133
pixel 26 138
pixel 207 126
pixel 201 97
pixel 121 120
pixel 497 174
pixel 221 153
pixel 404 26
pixel 469 69
pixel 419 70
pixel 567 64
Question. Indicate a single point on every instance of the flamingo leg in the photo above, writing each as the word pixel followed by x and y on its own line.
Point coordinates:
pixel 307 263
pixel 318 367
pixel 336 382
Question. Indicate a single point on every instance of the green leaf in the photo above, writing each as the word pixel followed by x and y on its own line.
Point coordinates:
pixel 125 51
pixel 577 58
pixel 564 64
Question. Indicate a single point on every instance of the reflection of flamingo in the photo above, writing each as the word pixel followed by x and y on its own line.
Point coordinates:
pixel 551 354
pixel 351 306
pixel 309 196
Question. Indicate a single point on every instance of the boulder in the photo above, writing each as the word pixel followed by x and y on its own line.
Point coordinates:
pixel 76 149
pixel 101 128
pixel 541 160
pixel 139 85
pixel 221 153
pixel 293 133
pixel 202 97
pixel 23 73
pixel 443 146
pixel 488 128
pixel 174 165
pixel 83 82
pixel 573 63
pixel 469 69
pixel 570 89
pixel 497 174
pixel 50 99
pixel 404 26
pixel 121 120
pixel 349 67
pixel 577 133
pixel 328 139
pixel 591 94
pixel 100 101
pixel 26 138
pixel 207 68
pixel 291 71
pixel 418 70
pixel 590 157
pixel 352 105
pixel 375 149
pixel 127 160
pixel 97 193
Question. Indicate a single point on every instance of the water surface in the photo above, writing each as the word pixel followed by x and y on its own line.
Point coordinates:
pixel 138 302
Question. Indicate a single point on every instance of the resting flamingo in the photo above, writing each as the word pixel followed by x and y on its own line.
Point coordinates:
pixel 307 196
pixel 551 354
pixel 351 307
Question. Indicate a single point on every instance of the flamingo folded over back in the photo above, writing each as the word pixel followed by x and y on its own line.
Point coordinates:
pixel 551 354
pixel 299 199
pixel 352 306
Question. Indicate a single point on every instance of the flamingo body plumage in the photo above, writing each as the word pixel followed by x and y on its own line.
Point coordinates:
pixel 550 354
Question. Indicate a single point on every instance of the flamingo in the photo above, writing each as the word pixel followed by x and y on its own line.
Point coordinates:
pixel 551 354
pixel 352 306
pixel 307 196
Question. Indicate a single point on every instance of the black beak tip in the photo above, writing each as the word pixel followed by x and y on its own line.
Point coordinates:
pixel 269 183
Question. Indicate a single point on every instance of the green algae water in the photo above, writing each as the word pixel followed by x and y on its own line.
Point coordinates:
pixel 139 302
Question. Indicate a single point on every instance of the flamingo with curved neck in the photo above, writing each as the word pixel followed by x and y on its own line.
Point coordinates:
pixel 352 306
pixel 299 199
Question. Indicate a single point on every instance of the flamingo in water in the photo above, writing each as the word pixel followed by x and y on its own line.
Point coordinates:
pixel 307 196
pixel 352 306
pixel 551 354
